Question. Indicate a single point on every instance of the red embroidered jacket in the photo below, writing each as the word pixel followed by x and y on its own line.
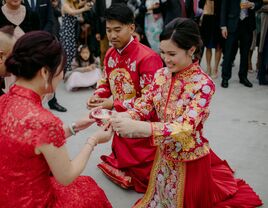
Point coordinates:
pixel 127 75
pixel 181 103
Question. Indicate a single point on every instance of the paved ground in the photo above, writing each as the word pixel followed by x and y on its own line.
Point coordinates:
pixel 237 129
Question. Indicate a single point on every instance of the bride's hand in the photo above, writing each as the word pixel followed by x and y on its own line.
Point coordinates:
pixel 127 127
pixel 86 121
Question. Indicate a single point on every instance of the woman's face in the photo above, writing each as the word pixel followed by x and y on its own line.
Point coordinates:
pixel 85 54
pixel 13 4
pixel 174 57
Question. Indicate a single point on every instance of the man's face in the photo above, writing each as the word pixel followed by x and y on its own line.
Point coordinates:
pixel 119 34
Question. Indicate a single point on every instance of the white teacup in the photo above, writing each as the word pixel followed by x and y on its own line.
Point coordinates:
pixel 101 116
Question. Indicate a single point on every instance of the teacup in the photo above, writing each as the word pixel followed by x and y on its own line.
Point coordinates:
pixel 101 116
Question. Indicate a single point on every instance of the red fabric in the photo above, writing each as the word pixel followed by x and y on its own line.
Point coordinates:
pixel 25 177
pixel 210 184
pixel 134 157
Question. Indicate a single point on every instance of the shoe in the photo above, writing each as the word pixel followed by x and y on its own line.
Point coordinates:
pixel 224 83
pixel 56 106
pixel 245 82
pixel 117 176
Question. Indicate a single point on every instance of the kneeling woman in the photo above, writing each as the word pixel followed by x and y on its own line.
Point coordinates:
pixel 186 173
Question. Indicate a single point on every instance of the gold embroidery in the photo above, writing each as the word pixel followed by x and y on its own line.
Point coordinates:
pixel 187 156
pixel 152 182
pixel 121 84
pixel 174 175
pixel 160 80
pixel 181 184
pixel 187 142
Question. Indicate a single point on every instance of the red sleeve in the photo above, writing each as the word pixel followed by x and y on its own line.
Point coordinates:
pixel 147 70
pixel 51 132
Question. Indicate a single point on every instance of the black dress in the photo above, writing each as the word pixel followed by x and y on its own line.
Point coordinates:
pixel 210 28
pixel 68 38
pixel 31 21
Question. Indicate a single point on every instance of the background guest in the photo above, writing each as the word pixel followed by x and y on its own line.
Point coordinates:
pixel 237 25
pixel 84 71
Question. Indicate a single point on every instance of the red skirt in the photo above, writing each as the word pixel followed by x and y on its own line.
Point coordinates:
pixel 210 183
pixel 204 183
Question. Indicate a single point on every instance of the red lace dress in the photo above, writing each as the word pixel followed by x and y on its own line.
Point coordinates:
pixel 25 177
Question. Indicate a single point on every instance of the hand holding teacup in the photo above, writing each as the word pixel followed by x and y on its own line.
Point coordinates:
pixel 101 116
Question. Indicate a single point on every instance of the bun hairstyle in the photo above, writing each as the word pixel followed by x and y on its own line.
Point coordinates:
pixel 185 33
pixel 33 51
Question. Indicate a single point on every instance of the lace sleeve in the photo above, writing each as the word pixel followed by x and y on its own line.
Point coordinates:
pixel 51 132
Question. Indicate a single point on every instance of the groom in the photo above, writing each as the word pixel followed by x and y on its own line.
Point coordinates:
pixel 129 68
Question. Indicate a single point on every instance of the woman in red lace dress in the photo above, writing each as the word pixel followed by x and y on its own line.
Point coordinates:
pixel 32 140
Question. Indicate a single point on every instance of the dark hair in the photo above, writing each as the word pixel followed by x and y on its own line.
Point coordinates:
pixel 185 33
pixel 33 51
pixel 119 12
pixel 79 59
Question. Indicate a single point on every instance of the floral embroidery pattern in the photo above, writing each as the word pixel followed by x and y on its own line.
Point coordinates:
pixel 167 186
pixel 133 66
pixel 122 86
pixel 111 63
pixel 181 103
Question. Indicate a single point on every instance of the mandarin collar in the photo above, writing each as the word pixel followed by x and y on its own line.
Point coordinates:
pixel 192 67
pixel 129 47
pixel 26 93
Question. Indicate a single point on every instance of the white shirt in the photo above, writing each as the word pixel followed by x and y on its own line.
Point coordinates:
pixel 108 3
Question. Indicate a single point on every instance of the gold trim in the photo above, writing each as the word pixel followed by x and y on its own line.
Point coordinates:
pixel 146 199
pixel 181 175
pixel 181 184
